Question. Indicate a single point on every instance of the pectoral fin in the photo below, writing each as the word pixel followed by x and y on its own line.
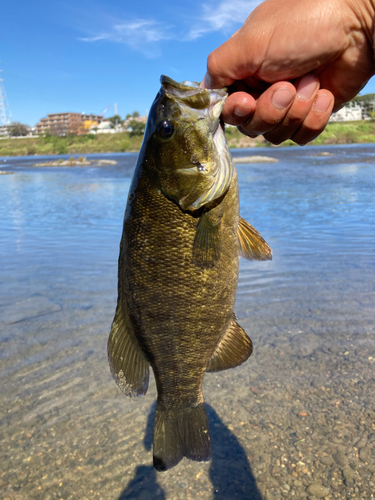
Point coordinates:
pixel 207 242
pixel 234 348
pixel 252 245
pixel 129 367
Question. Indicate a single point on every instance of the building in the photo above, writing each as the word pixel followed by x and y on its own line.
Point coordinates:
pixel 351 112
pixel 141 119
pixel 92 118
pixel 64 123
pixel 4 131
pixel 106 127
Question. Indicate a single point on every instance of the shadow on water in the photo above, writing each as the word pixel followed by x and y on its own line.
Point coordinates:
pixel 143 486
pixel 230 471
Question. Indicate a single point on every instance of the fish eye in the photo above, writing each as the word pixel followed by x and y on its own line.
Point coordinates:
pixel 165 129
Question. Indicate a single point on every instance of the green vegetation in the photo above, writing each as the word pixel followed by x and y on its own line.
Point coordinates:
pixel 17 129
pixel 135 114
pixel 137 128
pixel 366 102
pixel 335 133
pixel 72 144
pixel 344 133
pixel 115 120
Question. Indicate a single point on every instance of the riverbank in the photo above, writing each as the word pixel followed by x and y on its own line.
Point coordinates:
pixel 336 133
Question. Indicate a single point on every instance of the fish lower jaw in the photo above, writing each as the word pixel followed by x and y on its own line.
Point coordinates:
pixel 199 168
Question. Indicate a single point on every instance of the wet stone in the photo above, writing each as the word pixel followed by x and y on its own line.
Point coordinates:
pixel 327 460
pixel 317 490
pixel 340 458
pixel 361 443
pixel 348 473
pixel 365 454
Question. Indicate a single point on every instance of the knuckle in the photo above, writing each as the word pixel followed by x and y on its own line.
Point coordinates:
pixel 249 133
pixel 213 63
pixel 274 139
pixel 304 137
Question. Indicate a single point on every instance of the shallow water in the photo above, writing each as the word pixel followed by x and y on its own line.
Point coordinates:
pixel 306 394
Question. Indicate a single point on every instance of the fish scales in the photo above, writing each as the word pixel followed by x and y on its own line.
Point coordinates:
pixel 178 268
pixel 192 303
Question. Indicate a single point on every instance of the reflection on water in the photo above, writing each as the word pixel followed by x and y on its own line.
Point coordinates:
pixel 297 419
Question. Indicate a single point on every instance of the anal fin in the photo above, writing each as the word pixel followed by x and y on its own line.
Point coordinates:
pixel 233 349
pixel 252 245
pixel 129 366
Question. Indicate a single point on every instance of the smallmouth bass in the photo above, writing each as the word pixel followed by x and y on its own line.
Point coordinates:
pixel 178 268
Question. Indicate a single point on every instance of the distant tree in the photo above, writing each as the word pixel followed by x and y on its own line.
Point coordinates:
pixel 137 128
pixel 17 129
pixel 115 120
pixel 59 129
pixel 135 114
pixel 366 101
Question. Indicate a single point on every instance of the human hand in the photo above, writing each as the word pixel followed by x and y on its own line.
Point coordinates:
pixel 291 63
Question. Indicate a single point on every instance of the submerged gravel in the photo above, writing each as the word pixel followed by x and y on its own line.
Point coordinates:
pixel 296 421
pixel 292 422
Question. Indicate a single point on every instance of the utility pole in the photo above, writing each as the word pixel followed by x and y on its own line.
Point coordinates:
pixel 5 114
pixel 116 114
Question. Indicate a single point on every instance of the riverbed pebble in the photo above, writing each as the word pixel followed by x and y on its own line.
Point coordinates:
pixel 317 490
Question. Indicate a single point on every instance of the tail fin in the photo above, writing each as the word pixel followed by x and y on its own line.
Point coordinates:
pixel 180 433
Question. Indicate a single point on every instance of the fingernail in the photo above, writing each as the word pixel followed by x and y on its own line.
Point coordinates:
pixel 206 82
pixel 282 98
pixel 306 87
pixel 242 111
pixel 322 103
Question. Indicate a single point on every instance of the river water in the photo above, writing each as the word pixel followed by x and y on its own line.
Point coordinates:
pixel 295 421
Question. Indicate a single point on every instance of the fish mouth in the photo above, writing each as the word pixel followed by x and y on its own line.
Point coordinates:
pixel 208 102
pixel 196 103
pixel 220 174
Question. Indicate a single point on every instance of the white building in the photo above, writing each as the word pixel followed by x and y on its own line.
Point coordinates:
pixel 105 127
pixel 3 131
pixel 351 113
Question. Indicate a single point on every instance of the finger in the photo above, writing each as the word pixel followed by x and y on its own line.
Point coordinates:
pixel 271 109
pixel 317 119
pixel 235 59
pixel 216 77
pixel 307 88
pixel 238 108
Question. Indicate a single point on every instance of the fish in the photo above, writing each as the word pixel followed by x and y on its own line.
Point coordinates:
pixel 178 268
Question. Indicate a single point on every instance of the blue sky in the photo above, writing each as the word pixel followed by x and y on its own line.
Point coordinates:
pixel 82 55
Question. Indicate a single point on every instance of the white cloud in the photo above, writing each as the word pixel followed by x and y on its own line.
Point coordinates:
pixel 144 35
pixel 140 34
pixel 221 17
